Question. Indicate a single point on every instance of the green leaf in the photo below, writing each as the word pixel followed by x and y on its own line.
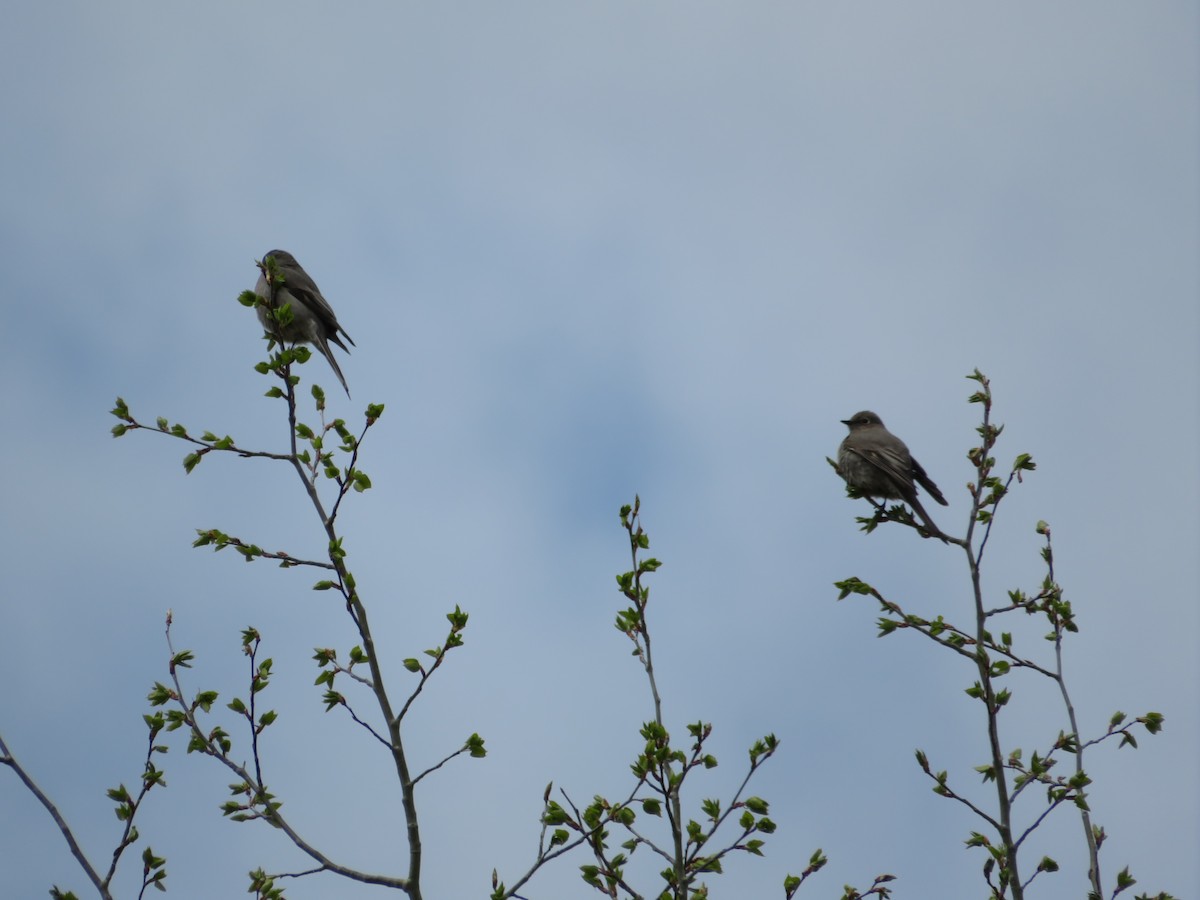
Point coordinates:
pixel 1153 722
pixel 475 747
pixel 756 805
pixel 851 586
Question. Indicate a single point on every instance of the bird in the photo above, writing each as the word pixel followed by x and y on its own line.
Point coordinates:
pixel 878 464
pixel 313 321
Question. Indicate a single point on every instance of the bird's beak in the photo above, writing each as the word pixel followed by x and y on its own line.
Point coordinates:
pixel 846 422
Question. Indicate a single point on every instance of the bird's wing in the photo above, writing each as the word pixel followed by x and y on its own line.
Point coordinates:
pixel 891 463
pixel 926 482
pixel 307 291
pixel 304 289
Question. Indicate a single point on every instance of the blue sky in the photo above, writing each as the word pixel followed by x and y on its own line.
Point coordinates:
pixel 588 250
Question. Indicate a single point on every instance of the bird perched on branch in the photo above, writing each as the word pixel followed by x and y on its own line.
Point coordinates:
pixel 878 464
pixel 313 321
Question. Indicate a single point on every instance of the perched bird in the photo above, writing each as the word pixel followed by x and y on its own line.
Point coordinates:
pixel 878 464
pixel 313 321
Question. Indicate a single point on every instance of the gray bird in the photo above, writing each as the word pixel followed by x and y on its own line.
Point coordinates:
pixel 313 321
pixel 878 464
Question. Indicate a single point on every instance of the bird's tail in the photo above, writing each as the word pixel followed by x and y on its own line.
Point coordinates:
pixel 323 346
pixel 926 520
